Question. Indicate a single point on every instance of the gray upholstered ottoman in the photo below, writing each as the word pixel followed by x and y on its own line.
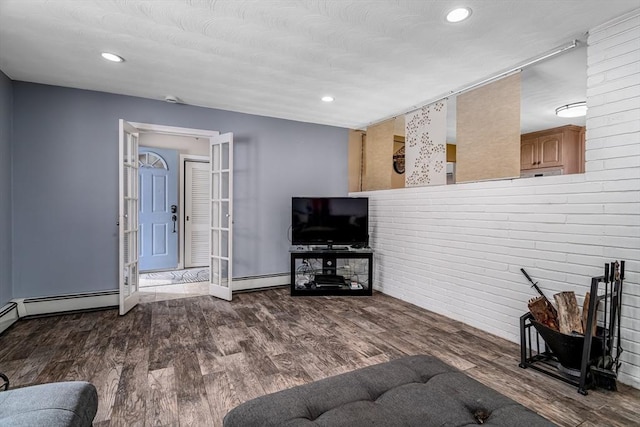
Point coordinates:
pixel 410 391
pixel 63 404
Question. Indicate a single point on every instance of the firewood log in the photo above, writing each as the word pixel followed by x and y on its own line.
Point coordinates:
pixel 569 319
pixel 543 312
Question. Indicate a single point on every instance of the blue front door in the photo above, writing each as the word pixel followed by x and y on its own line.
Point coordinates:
pixel 158 209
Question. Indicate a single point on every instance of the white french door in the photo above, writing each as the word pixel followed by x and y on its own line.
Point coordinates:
pixel 128 217
pixel 221 227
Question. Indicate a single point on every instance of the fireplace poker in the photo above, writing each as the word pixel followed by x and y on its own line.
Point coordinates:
pixel 535 286
pixel 619 277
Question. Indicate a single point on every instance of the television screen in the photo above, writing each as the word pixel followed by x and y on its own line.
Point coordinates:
pixel 330 220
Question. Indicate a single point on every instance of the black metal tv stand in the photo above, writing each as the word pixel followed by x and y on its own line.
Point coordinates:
pixel 324 271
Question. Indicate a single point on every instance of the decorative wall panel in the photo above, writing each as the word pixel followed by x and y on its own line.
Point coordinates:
pixel 488 131
pixel 378 157
pixel 425 149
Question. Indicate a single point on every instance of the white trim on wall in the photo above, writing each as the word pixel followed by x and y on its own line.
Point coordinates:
pixel 173 130
pixel 65 303
pixel 260 282
pixel 8 315
pixel 25 307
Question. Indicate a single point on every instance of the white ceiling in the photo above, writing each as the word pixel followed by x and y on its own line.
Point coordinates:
pixel 277 58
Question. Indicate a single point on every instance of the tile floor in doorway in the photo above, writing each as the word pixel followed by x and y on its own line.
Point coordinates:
pixel 168 292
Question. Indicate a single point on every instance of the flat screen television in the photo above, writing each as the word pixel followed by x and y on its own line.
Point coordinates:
pixel 330 221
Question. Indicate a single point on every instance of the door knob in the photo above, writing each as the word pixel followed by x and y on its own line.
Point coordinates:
pixel 174 218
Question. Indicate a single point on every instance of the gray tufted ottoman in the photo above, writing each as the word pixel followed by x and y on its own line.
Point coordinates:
pixel 410 391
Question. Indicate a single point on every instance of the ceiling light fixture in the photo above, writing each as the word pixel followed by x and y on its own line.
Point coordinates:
pixel 577 109
pixel 328 98
pixel 112 57
pixel 459 14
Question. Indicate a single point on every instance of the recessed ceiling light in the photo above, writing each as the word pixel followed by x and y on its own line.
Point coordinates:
pixel 328 98
pixel 577 109
pixel 459 14
pixel 112 57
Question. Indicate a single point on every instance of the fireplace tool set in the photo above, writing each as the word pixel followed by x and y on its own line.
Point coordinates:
pixel 580 349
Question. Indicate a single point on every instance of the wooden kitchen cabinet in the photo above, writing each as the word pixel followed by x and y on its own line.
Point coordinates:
pixel 557 148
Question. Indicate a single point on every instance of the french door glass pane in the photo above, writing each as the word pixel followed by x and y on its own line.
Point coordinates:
pixel 215 240
pixel 126 247
pixel 127 290
pixel 225 157
pixel 125 148
pixel 224 243
pixel 215 185
pixel 215 158
pixel 215 218
pixel 225 185
pixel 215 270
pixel 224 273
pixel 125 212
pixel 134 278
pixel 224 214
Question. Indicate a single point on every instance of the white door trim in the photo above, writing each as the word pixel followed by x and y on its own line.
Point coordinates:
pixel 173 130
pixel 184 158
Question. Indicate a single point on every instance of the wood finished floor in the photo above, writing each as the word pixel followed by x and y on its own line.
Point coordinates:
pixel 186 362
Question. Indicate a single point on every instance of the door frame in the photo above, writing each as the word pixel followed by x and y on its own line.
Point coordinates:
pixel 168 130
pixel 185 158
pixel 179 131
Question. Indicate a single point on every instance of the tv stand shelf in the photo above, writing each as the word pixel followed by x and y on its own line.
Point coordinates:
pixel 331 272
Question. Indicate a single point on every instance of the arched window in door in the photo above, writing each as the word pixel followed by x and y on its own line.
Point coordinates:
pixel 151 160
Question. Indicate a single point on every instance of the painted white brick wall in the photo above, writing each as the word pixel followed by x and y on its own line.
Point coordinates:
pixel 457 250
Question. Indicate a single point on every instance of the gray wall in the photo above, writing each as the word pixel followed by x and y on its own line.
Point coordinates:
pixel 5 187
pixel 65 168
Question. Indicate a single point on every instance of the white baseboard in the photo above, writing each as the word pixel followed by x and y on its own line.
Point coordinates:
pixel 258 282
pixel 25 307
pixel 8 315
pixel 62 303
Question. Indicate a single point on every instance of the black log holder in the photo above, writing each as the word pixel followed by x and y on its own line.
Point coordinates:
pixel 585 361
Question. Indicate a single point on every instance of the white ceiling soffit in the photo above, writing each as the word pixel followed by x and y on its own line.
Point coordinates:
pixel 279 57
